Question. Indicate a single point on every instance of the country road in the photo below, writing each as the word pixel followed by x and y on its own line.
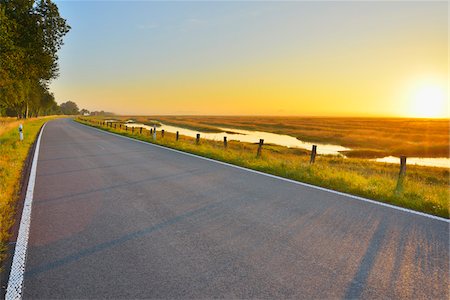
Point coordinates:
pixel 116 218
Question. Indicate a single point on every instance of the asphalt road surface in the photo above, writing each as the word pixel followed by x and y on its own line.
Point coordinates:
pixel 115 218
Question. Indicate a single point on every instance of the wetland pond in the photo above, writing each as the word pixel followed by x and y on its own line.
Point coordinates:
pixel 249 136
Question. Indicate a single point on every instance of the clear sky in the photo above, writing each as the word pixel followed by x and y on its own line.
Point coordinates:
pixel 256 58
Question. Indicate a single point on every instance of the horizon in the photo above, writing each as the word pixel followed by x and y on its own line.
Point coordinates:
pixel 315 59
pixel 274 116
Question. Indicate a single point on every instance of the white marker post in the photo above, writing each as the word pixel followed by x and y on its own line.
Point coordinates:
pixel 21 132
pixel 154 132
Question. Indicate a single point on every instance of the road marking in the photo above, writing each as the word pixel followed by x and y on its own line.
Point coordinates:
pixel 279 178
pixel 15 281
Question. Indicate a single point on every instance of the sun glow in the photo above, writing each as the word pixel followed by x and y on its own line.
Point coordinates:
pixel 429 101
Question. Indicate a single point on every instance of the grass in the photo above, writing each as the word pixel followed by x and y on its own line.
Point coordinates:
pixel 425 189
pixel 367 137
pixel 13 154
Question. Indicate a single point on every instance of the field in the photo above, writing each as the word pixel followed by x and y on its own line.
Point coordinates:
pixel 424 189
pixel 12 157
pixel 367 137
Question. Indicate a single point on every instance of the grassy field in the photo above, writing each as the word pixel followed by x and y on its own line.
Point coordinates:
pixel 425 189
pixel 367 137
pixel 13 154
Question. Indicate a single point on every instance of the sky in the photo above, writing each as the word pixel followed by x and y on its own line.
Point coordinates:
pixel 256 58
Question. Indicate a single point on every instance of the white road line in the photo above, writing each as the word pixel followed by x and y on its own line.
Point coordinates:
pixel 15 282
pixel 279 178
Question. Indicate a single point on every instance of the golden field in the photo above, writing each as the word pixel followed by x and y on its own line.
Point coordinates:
pixel 367 137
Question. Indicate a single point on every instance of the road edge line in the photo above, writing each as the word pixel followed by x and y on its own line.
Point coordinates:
pixel 279 177
pixel 15 281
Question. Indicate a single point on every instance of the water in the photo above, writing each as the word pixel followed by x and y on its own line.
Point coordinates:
pixel 248 136
pixel 443 162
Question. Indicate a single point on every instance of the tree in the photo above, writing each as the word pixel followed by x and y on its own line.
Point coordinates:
pixel 84 111
pixel 69 108
pixel 31 33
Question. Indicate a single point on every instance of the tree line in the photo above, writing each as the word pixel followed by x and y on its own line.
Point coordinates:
pixel 31 34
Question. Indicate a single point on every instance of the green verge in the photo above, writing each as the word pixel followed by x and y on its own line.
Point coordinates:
pixel 425 189
pixel 13 154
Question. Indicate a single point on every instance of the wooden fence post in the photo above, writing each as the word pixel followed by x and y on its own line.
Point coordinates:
pixel 132 130
pixel 140 130
pixel 115 125
pixel 178 136
pixel 313 154
pixel 197 141
pixel 401 174
pixel 225 144
pixel 258 153
pixel 162 133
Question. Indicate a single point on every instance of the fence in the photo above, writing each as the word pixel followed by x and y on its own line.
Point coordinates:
pixel 312 160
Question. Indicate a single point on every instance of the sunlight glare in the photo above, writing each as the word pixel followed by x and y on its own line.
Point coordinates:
pixel 429 101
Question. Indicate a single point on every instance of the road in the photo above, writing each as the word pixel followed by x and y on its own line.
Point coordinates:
pixel 116 218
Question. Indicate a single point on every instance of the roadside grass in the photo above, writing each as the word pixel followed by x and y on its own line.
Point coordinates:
pixel 367 137
pixel 13 154
pixel 7 123
pixel 425 189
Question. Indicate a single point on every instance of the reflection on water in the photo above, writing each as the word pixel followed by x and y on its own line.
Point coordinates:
pixel 248 136
pixel 233 134
pixel 443 162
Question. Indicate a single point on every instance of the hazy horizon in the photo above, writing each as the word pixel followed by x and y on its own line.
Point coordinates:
pixel 311 59
pixel 275 116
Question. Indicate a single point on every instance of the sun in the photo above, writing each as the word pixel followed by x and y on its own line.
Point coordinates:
pixel 429 101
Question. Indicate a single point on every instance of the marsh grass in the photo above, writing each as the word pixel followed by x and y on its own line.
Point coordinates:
pixel 367 137
pixel 426 189
pixel 13 154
